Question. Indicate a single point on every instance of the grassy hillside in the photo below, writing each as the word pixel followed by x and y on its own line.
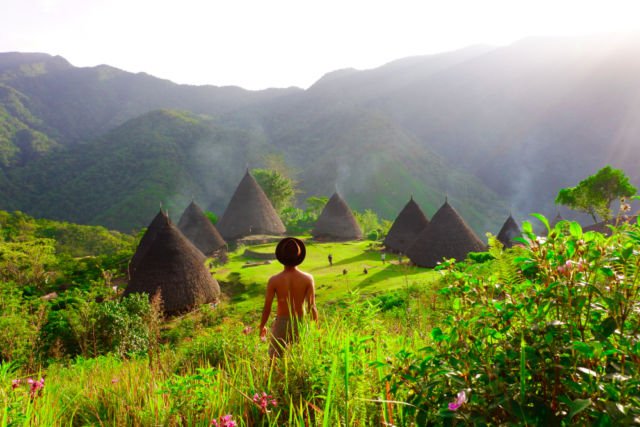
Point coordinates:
pixel 170 157
pixel 244 278
pixel 22 136
pixel 120 180
pixel 83 103
pixel 472 344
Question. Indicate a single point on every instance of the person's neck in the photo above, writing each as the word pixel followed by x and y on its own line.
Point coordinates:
pixel 290 268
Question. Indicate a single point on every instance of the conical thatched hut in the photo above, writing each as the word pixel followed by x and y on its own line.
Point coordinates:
pixel 176 269
pixel 603 226
pixel 146 240
pixel 556 220
pixel 336 222
pixel 200 231
pixel 508 232
pixel 446 236
pixel 408 224
pixel 249 212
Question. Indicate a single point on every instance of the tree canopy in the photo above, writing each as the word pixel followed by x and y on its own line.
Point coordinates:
pixel 594 194
pixel 279 188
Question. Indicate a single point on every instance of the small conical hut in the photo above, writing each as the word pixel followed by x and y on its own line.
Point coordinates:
pixel 603 227
pixel 146 240
pixel 556 220
pixel 336 222
pixel 196 227
pixel 175 268
pixel 249 212
pixel 508 232
pixel 405 229
pixel 446 236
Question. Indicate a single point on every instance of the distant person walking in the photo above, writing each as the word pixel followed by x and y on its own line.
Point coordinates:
pixel 292 288
pixel 383 257
pixel 330 258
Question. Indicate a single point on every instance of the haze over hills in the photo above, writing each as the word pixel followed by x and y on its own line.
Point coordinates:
pixel 496 129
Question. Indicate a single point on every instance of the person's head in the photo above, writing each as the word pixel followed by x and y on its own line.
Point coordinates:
pixel 290 251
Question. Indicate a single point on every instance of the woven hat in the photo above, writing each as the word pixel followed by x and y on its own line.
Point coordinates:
pixel 291 251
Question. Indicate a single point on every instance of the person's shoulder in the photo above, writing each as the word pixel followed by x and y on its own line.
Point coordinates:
pixel 275 277
pixel 306 275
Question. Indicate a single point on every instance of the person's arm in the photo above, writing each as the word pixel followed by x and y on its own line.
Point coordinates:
pixel 266 311
pixel 311 300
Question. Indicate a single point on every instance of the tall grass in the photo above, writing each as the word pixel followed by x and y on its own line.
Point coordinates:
pixel 331 376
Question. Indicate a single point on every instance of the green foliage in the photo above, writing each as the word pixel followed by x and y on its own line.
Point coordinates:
pixel 315 205
pixel 300 221
pixel 548 336
pixel 373 227
pixel 20 320
pixel 212 217
pixel 79 325
pixel 594 194
pixel 279 188
pixel 70 239
pixel 28 262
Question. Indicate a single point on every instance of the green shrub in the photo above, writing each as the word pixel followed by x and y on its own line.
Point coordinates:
pixel 550 336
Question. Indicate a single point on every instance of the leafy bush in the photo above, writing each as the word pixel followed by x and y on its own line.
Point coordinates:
pixel 549 336
pixel 20 322
pixel 78 325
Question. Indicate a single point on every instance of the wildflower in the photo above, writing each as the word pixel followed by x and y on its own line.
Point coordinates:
pixel 247 330
pixel 35 386
pixel 263 401
pixel 15 383
pixel 461 399
pixel 114 380
pixel 225 421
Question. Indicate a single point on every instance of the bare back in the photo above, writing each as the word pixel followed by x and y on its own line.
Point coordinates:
pixel 292 288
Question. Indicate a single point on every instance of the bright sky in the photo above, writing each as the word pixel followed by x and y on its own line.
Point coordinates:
pixel 279 43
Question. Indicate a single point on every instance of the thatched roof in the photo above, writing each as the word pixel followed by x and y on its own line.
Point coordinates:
pixel 508 232
pixel 146 240
pixel 249 212
pixel 336 222
pixel 446 236
pixel 173 266
pixel 556 220
pixel 603 226
pixel 198 228
pixel 408 224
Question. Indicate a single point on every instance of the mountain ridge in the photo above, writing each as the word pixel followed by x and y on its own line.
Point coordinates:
pixel 492 127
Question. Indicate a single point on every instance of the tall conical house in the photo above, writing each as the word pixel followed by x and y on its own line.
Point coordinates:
pixel 508 232
pixel 196 227
pixel 146 240
pixel 336 222
pixel 446 236
pixel 406 228
pixel 249 212
pixel 173 267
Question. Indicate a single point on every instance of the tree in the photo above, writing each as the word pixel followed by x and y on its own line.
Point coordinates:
pixel 594 194
pixel 315 205
pixel 279 188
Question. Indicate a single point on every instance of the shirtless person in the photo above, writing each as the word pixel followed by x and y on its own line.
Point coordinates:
pixel 292 288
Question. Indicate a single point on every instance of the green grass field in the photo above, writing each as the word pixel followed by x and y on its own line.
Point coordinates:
pixel 244 278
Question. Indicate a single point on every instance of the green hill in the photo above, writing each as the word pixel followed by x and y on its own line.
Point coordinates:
pixel 169 157
pixel 494 129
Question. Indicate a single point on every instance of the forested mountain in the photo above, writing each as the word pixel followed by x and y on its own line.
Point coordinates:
pixel 495 129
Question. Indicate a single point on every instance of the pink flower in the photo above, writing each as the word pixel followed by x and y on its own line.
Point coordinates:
pixel 15 383
pixel 263 401
pixel 461 399
pixel 247 330
pixel 225 421
pixel 114 380
pixel 35 386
